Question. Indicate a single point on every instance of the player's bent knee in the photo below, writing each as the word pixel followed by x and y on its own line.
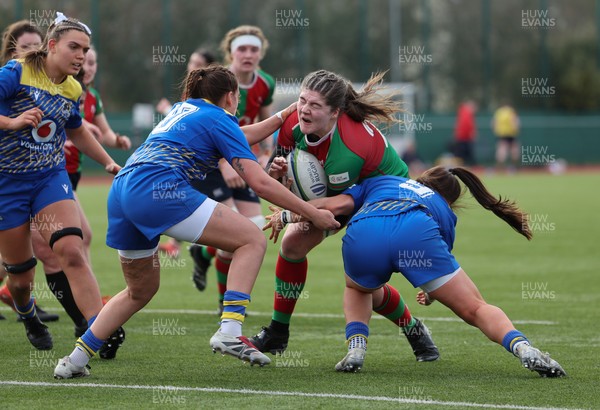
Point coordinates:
pixel 87 239
pixel 144 293
pixel 298 243
pixel 20 268
pixel 258 241
pixel 56 236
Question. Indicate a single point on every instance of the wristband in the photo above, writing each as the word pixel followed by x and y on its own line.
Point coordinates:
pixel 279 115
pixel 286 217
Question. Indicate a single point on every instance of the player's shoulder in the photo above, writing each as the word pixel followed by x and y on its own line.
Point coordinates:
pixel 200 114
pixel 32 77
pixel 289 131
pixel 267 78
pixel 12 72
pixel 14 65
pixel 355 134
pixel 72 89
pixel 94 92
pixel 349 128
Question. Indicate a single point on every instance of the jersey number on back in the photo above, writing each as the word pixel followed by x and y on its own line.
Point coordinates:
pixel 417 188
pixel 174 116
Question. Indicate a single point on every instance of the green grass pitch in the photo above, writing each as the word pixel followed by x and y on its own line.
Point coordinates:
pixel 548 286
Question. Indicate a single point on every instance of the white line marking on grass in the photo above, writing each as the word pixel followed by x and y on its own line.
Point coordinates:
pixel 282 393
pixel 313 315
pixel 331 316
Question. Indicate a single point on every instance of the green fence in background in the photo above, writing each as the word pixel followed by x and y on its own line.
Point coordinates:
pixel 575 139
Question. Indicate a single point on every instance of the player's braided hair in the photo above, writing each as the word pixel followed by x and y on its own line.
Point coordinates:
pixel 10 36
pixel 211 83
pixel 368 104
pixel 37 58
pixel 443 181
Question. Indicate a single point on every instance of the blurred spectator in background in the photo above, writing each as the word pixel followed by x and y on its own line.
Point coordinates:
pixel 198 59
pixel 465 132
pixel 505 125
pixel 19 38
pixel 412 159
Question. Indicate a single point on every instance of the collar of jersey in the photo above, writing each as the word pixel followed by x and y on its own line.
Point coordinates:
pixel 212 103
pixel 248 86
pixel 322 139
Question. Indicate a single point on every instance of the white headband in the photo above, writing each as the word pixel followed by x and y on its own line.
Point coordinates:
pixel 245 40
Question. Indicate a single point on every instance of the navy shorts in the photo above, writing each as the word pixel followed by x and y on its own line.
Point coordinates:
pixel 74 178
pixel 214 187
pixel 21 198
pixel 410 243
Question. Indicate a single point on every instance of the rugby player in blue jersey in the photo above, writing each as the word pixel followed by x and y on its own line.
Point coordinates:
pixel 152 195
pixel 39 109
pixel 406 226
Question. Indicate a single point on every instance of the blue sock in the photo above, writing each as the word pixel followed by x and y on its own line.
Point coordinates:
pixel 357 334
pixel 234 305
pixel 92 319
pixel 27 311
pixel 511 339
pixel 89 343
pixel 85 348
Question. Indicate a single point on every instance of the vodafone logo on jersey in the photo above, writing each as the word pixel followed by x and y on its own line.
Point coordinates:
pixel 44 131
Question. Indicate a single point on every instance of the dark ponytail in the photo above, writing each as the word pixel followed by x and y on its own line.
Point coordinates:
pixel 444 182
pixel 211 83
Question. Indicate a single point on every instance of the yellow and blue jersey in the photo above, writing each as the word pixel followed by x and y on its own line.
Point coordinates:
pixel 33 151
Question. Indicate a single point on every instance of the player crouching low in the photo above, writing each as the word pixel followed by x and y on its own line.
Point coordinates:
pixel 394 216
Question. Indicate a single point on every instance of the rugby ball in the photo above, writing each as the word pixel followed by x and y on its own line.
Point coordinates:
pixel 309 180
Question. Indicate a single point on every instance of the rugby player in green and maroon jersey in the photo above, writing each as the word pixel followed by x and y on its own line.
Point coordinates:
pixel 243 47
pixel 333 123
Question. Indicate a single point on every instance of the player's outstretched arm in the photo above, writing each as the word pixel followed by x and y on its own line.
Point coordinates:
pixel 257 132
pixel 86 143
pixel 271 190
pixel 108 137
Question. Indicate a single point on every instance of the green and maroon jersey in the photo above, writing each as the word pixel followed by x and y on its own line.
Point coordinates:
pixel 254 96
pixel 352 151
pixel 90 106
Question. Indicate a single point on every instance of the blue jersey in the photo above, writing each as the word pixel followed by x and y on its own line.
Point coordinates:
pixel 391 195
pixel 191 140
pixel 34 151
